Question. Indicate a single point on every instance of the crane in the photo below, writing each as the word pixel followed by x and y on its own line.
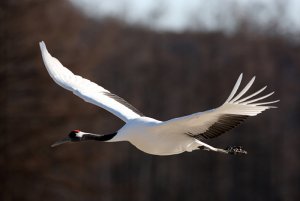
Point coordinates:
pixel 174 136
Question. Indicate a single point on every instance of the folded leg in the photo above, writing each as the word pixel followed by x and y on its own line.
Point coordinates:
pixel 234 150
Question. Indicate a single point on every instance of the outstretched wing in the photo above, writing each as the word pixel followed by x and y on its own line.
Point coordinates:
pixel 212 123
pixel 87 90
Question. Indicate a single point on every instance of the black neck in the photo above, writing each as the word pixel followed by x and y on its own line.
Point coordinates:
pixel 98 137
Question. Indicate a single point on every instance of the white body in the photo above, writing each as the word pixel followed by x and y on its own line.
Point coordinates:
pixel 149 135
pixel 155 137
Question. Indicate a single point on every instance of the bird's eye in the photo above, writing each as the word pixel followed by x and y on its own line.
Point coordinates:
pixel 72 134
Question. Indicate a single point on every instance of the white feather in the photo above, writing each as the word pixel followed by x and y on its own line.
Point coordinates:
pixel 250 96
pixel 84 88
pixel 244 90
pixel 202 121
pixel 235 88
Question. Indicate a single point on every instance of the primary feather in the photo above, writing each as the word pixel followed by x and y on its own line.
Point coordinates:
pixel 212 123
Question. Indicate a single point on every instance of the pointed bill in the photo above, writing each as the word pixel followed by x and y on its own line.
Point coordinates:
pixel 63 141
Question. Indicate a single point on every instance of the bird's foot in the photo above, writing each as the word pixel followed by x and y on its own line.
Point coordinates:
pixel 234 150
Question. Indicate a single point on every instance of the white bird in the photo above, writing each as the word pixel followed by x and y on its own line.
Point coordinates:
pixel 153 136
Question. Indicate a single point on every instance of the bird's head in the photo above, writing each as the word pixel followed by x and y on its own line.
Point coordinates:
pixel 74 136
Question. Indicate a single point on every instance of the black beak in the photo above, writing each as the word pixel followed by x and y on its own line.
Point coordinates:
pixel 63 141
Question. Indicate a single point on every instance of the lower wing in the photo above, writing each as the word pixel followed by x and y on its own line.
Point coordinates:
pixel 212 123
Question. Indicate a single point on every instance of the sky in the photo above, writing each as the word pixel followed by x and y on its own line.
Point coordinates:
pixel 178 15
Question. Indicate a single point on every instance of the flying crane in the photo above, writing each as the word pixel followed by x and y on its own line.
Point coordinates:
pixel 178 135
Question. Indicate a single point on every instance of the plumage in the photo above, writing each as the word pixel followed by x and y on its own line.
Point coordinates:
pixel 85 89
pixel 153 136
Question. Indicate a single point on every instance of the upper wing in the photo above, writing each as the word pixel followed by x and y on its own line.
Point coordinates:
pixel 87 90
pixel 212 123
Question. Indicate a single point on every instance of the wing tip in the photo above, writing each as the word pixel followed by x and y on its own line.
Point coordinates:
pixel 241 77
pixel 235 88
pixel 244 90
pixel 270 102
pixel 43 47
pixel 42 44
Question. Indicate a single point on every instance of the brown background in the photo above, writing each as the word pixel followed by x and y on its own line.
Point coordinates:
pixel 164 75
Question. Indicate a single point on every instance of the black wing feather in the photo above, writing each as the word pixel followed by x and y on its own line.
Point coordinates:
pixel 224 123
pixel 123 102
